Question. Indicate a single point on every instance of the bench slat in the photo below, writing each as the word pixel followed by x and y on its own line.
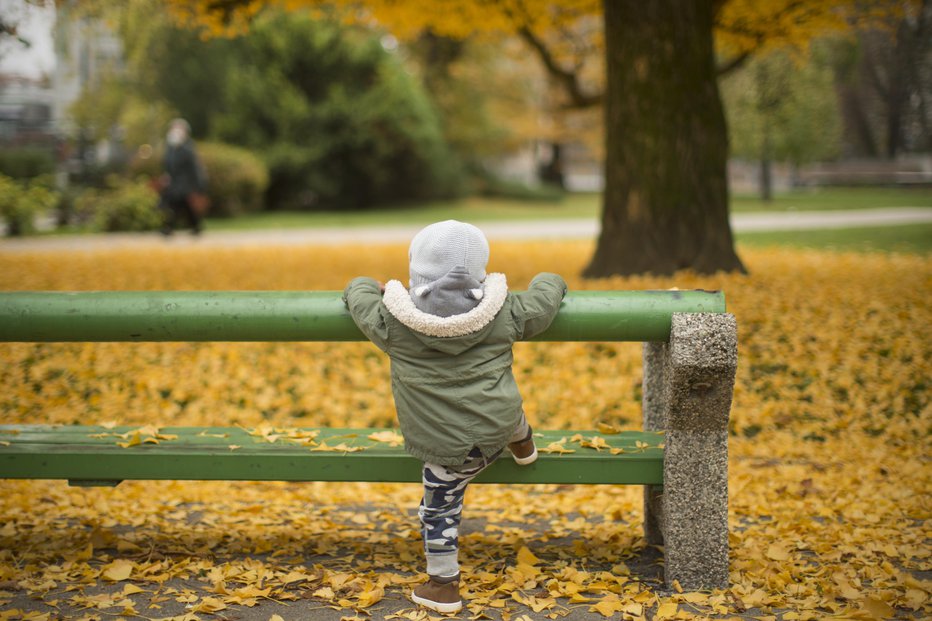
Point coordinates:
pixel 81 453
pixel 144 316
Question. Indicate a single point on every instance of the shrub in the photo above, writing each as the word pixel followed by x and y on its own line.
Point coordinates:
pixel 27 162
pixel 347 128
pixel 489 184
pixel 236 178
pixel 124 207
pixel 66 209
pixel 20 204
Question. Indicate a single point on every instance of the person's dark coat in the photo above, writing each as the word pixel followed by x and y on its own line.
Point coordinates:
pixel 185 174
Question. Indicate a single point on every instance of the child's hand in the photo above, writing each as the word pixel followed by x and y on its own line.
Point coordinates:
pixel 381 286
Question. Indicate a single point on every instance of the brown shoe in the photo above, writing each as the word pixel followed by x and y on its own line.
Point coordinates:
pixel 439 594
pixel 524 450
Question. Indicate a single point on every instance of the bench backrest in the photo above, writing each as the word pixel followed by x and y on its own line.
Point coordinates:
pixel 107 316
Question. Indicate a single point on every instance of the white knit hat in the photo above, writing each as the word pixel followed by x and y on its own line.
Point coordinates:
pixel 448 262
pixel 442 246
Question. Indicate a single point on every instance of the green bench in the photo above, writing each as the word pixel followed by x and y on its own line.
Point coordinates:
pixel 89 455
pixel 680 458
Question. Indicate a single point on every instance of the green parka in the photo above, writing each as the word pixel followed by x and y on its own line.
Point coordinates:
pixel 451 376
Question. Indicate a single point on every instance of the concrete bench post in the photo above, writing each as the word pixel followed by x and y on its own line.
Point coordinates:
pixel 688 387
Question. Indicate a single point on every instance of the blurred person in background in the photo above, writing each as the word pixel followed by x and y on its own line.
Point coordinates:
pixel 184 183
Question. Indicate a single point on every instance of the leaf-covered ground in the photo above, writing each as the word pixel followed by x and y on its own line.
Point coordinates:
pixel 829 455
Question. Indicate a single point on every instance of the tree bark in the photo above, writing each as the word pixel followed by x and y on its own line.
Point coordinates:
pixel 858 133
pixel 766 166
pixel 665 205
pixel 904 61
pixel 769 96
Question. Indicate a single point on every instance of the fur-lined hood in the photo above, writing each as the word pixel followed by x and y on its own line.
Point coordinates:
pixel 398 302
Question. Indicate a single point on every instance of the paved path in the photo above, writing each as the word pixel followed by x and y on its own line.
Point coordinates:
pixel 531 229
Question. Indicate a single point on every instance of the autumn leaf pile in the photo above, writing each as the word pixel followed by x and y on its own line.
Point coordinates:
pixel 829 452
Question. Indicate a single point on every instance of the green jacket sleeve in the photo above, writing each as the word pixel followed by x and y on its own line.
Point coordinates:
pixel 533 310
pixel 363 298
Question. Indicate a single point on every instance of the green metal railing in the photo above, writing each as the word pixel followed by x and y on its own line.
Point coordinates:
pixel 27 316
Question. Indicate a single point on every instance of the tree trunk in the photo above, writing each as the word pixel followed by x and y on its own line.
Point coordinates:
pixel 551 173
pixel 766 165
pixel 904 59
pixel 857 133
pixel 665 205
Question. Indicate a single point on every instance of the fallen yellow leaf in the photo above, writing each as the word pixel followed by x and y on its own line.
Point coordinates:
pixel 392 438
pixel 634 609
pixel 607 606
pixel 370 596
pixel 134 440
pixel 339 448
pixel 209 605
pixel 595 442
pixel 607 428
pixel 777 552
pixel 526 557
pixel 666 610
pixel 556 447
pixel 118 570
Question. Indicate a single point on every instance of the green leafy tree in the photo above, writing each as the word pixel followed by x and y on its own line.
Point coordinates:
pixel 339 121
pixel 782 107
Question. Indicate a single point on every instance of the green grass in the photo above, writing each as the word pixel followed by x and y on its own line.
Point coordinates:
pixel 816 199
pixel 900 238
pixel 571 206
pixel 468 209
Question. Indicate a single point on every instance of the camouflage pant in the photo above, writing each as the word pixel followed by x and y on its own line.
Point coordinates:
pixel 441 507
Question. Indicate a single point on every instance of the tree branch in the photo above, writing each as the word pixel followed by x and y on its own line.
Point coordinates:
pixel 226 8
pixel 569 80
pixel 735 63
pixel 759 36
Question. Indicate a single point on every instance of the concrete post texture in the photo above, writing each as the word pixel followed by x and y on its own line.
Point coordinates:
pixel 653 408
pixel 688 387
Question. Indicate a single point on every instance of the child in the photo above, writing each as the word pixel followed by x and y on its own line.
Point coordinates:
pixel 449 339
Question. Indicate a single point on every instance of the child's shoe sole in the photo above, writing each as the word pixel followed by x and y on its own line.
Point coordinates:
pixel 441 607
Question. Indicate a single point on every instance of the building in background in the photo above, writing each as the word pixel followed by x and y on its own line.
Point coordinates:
pixel 26 106
pixel 85 50
pixel 67 54
pixel 27 59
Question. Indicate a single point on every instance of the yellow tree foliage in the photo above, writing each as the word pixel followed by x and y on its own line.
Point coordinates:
pixel 746 27
pixel 563 34
pixel 566 38
pixel 453 18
